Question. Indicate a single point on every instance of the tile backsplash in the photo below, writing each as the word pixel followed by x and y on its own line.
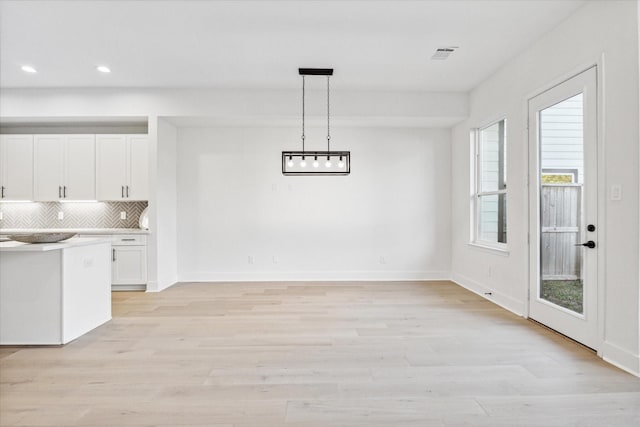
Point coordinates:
pixel 75 215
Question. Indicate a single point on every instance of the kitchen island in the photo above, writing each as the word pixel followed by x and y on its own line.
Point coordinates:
pixel 52 293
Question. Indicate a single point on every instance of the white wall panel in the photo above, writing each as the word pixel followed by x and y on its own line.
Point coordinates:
pixel 239 218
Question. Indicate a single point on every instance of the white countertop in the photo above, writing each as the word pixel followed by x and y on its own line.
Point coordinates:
pixel 12 246
pixel 6 231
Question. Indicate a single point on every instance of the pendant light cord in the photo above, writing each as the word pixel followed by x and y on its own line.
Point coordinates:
pixel 303 114
pixel 328 115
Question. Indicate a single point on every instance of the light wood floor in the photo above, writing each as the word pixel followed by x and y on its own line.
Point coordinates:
pixel 314 354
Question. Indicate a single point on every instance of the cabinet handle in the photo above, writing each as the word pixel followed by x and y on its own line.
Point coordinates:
pixel 113 254
pixel 127 240
pixel 127 191
pixel 64 192
pixel 59 192
pixel 2 196
pixel 122 191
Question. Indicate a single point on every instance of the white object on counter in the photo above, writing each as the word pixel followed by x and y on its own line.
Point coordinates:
pixel 143 222
pixel 53 293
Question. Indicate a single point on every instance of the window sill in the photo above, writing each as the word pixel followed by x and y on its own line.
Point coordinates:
pixel 489 249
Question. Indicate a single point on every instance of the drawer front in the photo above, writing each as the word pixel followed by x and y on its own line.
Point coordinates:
pixel 129 239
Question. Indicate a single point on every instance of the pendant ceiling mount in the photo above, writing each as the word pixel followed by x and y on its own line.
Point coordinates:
pixel 315 71
pixel 316 162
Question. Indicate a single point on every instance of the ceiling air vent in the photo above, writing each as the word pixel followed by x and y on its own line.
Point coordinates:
pixel 443 53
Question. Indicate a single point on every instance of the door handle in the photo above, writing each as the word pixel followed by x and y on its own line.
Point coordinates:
pixel 590 244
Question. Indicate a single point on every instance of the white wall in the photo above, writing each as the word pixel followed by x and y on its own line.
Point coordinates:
pixel 605 32
pixel 166 207
pixel 234 202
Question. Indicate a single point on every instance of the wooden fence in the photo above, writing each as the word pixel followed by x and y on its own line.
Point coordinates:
pixel 561 211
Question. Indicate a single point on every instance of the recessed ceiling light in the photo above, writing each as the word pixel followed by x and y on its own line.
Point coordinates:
pixel 28 69
pixel 103 69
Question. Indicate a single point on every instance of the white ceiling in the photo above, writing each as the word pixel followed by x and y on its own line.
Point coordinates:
pixel 372 45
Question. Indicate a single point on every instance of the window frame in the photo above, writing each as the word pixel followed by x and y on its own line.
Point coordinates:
pixel 478 193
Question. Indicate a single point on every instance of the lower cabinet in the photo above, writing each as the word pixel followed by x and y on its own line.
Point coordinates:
pixel 128 262
pixel 129 265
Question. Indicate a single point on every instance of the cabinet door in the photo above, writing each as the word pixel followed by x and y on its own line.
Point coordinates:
pixel 138 167
pixel 16 167
pixel 111 167
pixel 48 167
pixel 129 265
pixel 80 167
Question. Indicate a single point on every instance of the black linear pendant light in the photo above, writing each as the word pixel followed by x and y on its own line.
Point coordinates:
pixel 316 162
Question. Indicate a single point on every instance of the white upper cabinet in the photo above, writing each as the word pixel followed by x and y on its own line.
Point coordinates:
pixel 122 169
pixel 48 165
pixel 65 167
pixel 80 167
pixel 16 167
pixel 138 152
pixel 111 166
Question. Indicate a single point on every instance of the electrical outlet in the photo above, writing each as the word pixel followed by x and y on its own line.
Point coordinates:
pixel 275 259
pixel 383 260
pixel 123 215
pixel 1 215
pixel 60 215
pixel 616 192
pixel 250 259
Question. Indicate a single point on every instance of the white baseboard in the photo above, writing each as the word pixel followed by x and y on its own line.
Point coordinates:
pixel 118 288
pixel 620 357
pixel 507 302
pixel 313 276
pixel 154 286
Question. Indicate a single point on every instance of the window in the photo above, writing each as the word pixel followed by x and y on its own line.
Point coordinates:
pixel 490 193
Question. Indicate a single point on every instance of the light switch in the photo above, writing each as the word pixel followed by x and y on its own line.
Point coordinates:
pixel 616 192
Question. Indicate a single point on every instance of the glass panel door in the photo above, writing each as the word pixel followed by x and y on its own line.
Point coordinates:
pixel 563 208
